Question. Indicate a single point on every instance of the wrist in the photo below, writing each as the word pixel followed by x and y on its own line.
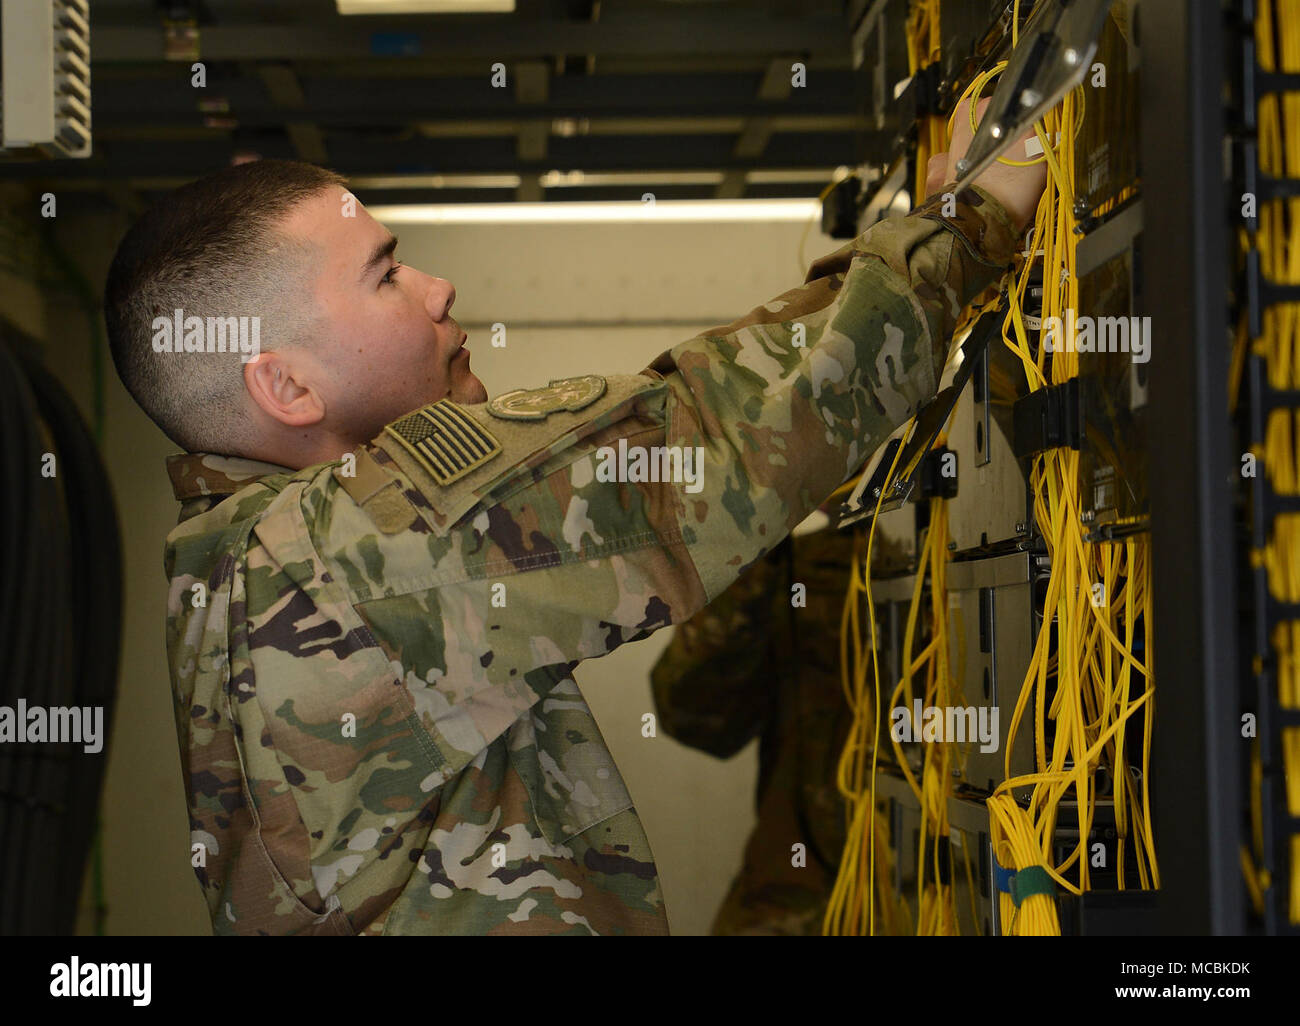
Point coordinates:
pixel 982 224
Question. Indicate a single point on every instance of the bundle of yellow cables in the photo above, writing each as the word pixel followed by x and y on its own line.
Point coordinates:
pixel 1277 39
pixel 923 42
pixel 1096 593
pixel 1083 674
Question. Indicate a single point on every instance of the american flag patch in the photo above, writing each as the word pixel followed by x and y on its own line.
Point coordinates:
pixel 446 440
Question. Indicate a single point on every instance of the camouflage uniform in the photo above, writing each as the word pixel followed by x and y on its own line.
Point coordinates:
pixel 373 744
pixel 753 664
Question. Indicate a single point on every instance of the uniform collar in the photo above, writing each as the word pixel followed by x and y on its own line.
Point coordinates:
pixel 201 474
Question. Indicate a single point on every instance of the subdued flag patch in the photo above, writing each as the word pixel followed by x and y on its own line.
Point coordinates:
pixel 446 441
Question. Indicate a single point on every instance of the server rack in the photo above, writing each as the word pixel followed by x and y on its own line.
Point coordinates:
pixel 1211 612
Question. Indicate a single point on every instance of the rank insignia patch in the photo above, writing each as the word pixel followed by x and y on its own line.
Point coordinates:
pixel 446 440
pixel 569 394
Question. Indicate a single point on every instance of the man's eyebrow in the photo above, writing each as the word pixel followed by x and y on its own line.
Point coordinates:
pixel 382 252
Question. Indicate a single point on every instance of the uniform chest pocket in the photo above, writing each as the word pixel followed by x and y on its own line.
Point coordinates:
pixel 561 757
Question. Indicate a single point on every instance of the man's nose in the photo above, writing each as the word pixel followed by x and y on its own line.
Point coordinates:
pixel 441 296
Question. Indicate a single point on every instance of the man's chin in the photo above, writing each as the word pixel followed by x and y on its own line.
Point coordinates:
pixel 467 390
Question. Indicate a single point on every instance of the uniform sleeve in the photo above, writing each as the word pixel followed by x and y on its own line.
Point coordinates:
pixel 712 685
pixel 486 595
pixel 782 424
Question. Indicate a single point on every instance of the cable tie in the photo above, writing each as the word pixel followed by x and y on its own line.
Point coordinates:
pixel 1030 881
pixel 1002 877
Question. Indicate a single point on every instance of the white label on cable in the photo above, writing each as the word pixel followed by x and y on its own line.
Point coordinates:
pixel 1034 148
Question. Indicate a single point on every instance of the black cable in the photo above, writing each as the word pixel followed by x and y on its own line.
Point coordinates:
pixel 61 629
pixel 20 583
pixel 93 601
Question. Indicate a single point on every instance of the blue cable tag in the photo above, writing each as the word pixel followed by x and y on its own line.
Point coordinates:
pixel 1002 877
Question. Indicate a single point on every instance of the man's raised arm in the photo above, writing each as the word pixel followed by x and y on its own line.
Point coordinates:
pixel 557 538
pixel 788 401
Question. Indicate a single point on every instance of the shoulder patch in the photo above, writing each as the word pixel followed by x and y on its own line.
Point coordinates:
pixel 568 394
pixel 447 442
pixel 527 444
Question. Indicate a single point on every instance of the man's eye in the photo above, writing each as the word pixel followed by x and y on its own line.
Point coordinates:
pixel 387 279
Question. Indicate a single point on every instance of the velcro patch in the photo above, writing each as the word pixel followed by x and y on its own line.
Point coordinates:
pixel 568 394
pixel 447 442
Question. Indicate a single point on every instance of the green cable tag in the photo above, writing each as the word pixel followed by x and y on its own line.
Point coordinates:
pixel 1030 881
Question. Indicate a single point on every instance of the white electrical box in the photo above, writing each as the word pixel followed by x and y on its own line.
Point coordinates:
pixel 45 80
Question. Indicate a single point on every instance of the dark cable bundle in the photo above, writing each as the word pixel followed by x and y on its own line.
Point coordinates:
pixel 60 629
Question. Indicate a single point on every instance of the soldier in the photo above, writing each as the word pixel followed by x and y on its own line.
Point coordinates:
pixel 381 586
pixel 754 663
pixel 762 661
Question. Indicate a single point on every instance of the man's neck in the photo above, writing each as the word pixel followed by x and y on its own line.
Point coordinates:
pixel 299 449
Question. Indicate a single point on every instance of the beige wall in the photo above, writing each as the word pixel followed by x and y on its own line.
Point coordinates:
pixel 574 299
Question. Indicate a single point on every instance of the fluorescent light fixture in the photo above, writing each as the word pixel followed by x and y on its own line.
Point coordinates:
pixel 563 179
pixel 772 176
pixel 434 181
pixel 425 6
pixel 590 213
pixel 631 179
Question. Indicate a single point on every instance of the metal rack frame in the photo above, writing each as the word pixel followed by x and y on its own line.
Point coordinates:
pixel 1197 786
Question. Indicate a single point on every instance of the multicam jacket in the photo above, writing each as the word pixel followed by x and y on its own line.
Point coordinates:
pixel 373 659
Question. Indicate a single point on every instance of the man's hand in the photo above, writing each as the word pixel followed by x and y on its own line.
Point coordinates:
pixel 1016 188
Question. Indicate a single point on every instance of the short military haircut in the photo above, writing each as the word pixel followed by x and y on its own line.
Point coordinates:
pixel 211 250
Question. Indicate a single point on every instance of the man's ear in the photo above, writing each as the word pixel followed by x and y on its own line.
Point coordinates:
pixel 270 380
